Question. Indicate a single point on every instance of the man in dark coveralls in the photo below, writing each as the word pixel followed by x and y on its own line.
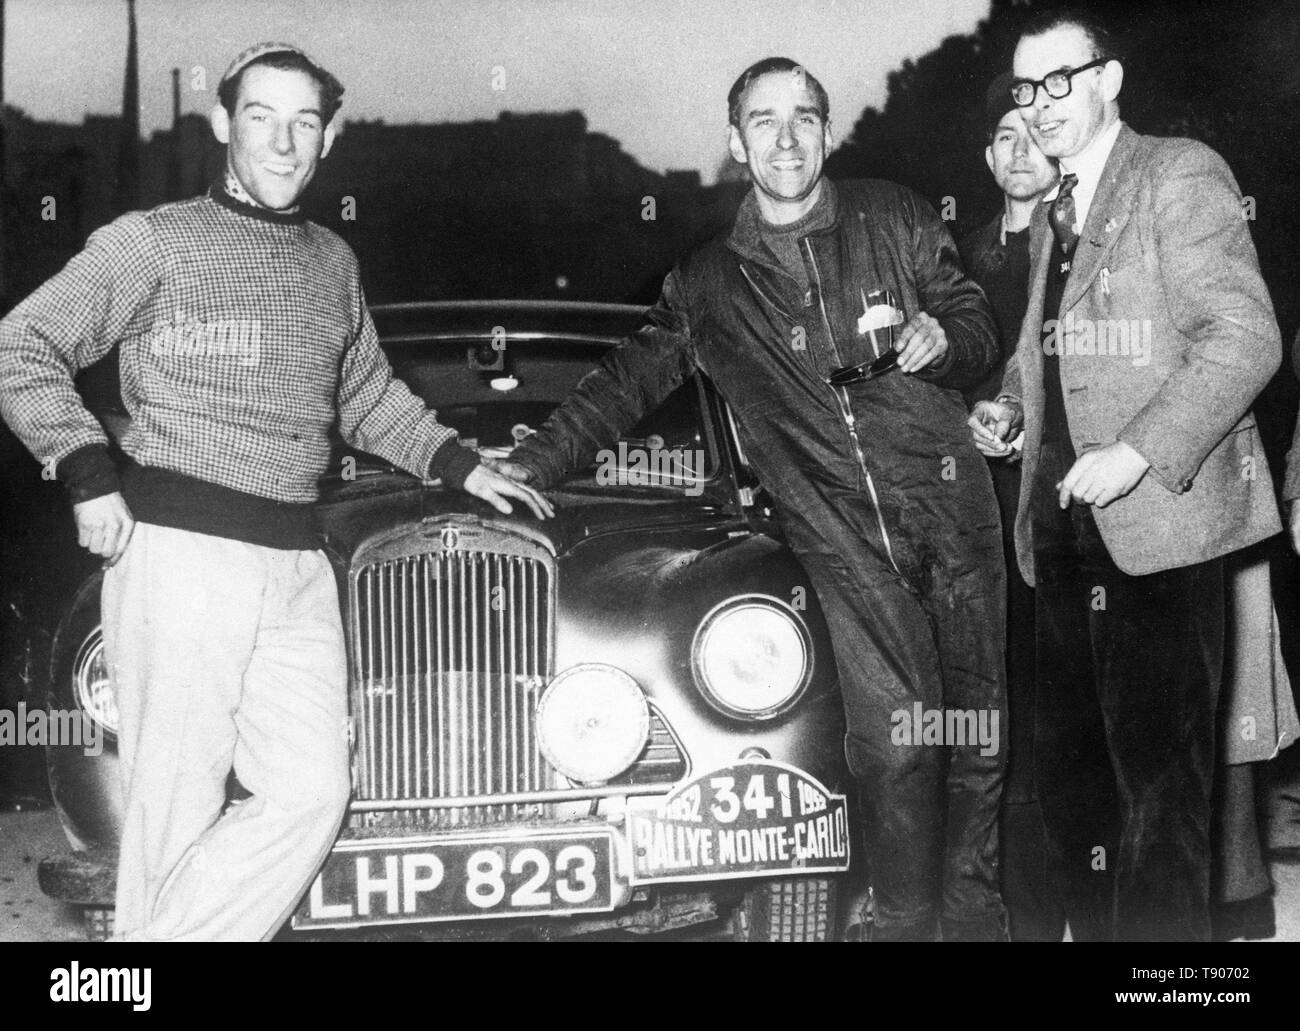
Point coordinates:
pixel 880 490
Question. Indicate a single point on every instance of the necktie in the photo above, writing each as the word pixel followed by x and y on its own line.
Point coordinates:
pixel 1062 214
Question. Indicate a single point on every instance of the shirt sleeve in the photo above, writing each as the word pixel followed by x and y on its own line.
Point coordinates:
pixel 67 324
pixel 378 413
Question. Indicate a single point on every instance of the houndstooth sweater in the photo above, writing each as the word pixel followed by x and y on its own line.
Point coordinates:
pixel 244 337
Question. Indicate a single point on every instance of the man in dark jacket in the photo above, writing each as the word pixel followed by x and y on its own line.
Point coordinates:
pixel 881 493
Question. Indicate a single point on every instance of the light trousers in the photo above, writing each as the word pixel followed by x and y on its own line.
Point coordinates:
pixel 224 656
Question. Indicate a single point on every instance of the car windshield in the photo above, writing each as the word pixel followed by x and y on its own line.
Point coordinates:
pixel 671 447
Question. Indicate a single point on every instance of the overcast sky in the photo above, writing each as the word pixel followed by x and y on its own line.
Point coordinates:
pixel 651 73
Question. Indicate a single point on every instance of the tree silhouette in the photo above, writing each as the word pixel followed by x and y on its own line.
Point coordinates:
pixel 1220 72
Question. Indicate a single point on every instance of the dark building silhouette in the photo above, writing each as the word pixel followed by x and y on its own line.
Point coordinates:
pixel 62 182
pixel 530 205
pixel 526 205
pixel 126 193
pixel 547 156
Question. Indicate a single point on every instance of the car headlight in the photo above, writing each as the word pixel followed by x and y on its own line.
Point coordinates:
pixel 592 722
pixel 91 683
pixel 752 656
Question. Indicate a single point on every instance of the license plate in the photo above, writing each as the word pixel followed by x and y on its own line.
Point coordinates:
pixel 463 878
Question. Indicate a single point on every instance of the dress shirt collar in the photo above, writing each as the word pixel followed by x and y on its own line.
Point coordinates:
pixel 1087 166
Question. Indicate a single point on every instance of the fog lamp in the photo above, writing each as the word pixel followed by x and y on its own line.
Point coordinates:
pixel 592 722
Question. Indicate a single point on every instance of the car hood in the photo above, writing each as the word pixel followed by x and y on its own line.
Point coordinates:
pixel 357 515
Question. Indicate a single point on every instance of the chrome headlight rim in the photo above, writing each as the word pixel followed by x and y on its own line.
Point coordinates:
pixel 634 693
pixel 89 688
pixel 726 608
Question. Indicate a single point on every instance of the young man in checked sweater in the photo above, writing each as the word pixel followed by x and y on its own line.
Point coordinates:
pixel 244 337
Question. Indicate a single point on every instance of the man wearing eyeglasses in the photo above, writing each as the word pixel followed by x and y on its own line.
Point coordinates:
pixel 1148 335
pixel 836 320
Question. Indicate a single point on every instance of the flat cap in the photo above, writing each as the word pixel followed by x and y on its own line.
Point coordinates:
pixel 250 55
pixel 997 101
pixel 331 88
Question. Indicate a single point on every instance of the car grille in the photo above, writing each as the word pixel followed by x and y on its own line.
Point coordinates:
pixel 662 760
pixel 451 649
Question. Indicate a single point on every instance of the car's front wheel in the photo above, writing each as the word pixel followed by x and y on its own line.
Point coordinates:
pixel 788 909
pixel 84 780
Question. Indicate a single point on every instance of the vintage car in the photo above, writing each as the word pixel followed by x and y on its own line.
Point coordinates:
pixel 625 717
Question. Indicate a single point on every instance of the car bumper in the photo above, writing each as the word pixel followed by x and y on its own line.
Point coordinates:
pixel 749 821
pixel 754 819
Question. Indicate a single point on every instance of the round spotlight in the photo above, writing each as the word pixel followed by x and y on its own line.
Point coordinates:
pixel 752 657
pixel 503 383
pixel 91 682
pixel 592 722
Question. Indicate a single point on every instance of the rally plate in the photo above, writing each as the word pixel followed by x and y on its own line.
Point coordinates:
pixel 750 819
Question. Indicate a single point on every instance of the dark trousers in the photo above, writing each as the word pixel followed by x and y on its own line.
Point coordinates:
pixel 929 810
pixel 1030 885
pixel 1129 669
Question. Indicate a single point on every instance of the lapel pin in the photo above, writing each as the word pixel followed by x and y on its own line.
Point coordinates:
pixel 1110 225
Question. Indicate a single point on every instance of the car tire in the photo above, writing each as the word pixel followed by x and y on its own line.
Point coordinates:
pixel 790 909
pixel 91 787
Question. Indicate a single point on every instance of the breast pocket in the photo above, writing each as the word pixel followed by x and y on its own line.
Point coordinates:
pixel 1121 276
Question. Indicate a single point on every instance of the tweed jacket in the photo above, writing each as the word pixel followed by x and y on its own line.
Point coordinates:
pixel 1166 334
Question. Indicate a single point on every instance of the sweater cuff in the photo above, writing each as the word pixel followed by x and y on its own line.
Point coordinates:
pixel 88 473
pixel 452 463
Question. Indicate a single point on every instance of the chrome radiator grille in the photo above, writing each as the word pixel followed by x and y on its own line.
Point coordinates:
pixel 451 649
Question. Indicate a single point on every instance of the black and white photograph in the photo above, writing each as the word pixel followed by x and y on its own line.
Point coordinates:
pixel 600 471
